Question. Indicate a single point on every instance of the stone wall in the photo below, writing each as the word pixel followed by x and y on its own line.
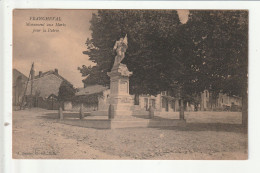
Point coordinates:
pixel 103 101
pixel 75 107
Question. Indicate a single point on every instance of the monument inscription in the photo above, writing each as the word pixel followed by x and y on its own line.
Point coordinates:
pixel 123 86
pixel 125 100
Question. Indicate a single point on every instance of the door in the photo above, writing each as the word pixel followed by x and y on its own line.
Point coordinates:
pixel 152 102
pixel 146 103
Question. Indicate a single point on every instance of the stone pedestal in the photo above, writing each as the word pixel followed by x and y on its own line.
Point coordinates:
pixel 120 99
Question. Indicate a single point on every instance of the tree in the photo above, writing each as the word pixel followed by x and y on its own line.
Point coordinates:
pixel 66 91
pixel 208 52
pixel 222 38
pixel 155 53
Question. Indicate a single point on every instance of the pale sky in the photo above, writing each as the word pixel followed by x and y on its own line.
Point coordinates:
pixel 50 50
pixel 183 15
pixel 61 50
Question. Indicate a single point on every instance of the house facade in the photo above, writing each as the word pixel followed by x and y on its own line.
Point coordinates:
pixel 161 102
pixel 43 89
pixel 92 98
pixel 45 84
pixel 95 100
pixel 221 102
pixel 19 84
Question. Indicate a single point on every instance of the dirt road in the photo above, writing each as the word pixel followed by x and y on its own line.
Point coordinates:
pixel 37 134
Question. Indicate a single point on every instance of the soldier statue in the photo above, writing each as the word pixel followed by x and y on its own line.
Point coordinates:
pixel 120 48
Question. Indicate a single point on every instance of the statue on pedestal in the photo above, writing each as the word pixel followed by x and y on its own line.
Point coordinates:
pixel 120 48
pixel 120 101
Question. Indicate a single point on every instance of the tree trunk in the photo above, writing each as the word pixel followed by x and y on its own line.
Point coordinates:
pixel 81 111
pixel 60 113
pixel 181 110
pixel 245 109
pixel 151 112
pixel 136 99
pixel 111 112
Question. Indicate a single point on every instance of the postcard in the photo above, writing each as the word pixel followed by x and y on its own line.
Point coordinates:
pixel 130 84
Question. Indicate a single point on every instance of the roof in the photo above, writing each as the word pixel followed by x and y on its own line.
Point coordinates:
pixel 93 89
pixel 52 72
pixel 16 74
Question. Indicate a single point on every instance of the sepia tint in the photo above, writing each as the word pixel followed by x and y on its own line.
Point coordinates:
pixel 130 84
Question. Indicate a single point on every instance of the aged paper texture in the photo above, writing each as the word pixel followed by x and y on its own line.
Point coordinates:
pixel 130 84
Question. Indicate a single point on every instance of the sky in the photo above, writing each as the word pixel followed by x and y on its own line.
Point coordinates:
pixel 50 50
pixel 183 15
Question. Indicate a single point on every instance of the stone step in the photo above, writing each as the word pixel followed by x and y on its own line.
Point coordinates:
pixel 123 122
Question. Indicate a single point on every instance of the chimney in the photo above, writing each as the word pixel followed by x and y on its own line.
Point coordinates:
pixel 40 73
pixel 32 72
pixel 56 71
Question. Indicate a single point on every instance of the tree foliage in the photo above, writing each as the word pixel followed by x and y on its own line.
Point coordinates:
pixel 153 53
pixel 221 38
pixel 66 91
pixel 210 51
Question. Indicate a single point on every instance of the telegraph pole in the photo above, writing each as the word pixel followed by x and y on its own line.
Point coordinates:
pixel 30 77
pixel 32 72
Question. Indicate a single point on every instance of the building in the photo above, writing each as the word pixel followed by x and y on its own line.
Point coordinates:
pixel 162 102
pixel 19 84
pixel 221 102
pixel 232 103
pixel 45 84
pixel 93 98
pixel 96 100
pixel 43 89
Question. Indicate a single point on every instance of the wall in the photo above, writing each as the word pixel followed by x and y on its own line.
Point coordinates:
pixel 46 85
pixel 103 102
pixel 204 105
pixel 51 104
pixel 18 90
pixel 222 102
pixel 229 101
pixel 160 103
pixel 75 107
pixel 146 101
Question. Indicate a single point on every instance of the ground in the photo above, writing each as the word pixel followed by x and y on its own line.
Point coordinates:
pixel 37 134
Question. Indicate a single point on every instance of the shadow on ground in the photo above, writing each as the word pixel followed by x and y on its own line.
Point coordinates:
pixel 219 127
pixel 65 115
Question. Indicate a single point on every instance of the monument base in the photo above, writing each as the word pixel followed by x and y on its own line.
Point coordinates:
pixel 117 113
pixel 122 113
pixel 101 122
pixel 145 123
pixel 99 113
pixel 120 101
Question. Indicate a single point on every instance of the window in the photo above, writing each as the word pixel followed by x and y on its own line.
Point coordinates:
pixel 163 103
pixel 164 93
pixel 152 102
pixel 173 105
